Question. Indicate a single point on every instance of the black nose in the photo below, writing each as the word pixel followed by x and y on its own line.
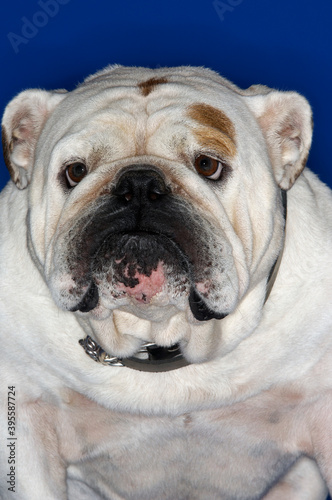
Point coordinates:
pixel 141 185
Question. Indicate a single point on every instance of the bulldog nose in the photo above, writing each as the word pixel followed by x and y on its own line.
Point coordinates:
pixel 142 185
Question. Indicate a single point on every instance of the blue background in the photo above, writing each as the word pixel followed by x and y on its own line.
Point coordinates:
pixel 284 44
pixel 281 43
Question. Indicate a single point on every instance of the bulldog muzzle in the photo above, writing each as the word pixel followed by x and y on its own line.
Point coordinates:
pixel 147 239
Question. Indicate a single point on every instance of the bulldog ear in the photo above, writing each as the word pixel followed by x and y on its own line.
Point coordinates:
pixel 22 123
pixel 286 121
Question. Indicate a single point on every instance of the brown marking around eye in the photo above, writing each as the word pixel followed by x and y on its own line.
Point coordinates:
pixel 149 85
pixel 216 132
pixel 213 140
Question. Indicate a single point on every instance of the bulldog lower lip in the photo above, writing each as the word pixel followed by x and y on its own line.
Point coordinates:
pixel 200 310
pixel 89 301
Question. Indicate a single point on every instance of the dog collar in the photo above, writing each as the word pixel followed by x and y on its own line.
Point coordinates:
pixel 149 358
pixel 153 358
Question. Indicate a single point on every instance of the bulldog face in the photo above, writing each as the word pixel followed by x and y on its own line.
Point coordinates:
pixel 154 205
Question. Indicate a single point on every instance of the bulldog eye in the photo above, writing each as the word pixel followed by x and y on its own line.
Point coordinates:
pixel 75 173
pixel 208 167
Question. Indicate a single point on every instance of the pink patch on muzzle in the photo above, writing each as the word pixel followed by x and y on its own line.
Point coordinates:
pixel 147 286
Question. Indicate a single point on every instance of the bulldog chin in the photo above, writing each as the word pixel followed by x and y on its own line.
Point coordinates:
pixel 144 291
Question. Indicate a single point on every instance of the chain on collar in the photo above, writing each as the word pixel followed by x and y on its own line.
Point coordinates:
pixel 149 358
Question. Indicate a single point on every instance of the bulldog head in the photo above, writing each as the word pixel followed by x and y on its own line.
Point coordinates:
pixel 154 200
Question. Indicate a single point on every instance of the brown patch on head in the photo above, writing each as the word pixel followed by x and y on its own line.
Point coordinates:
pixel 211 117
pixel 217 131
pixel 215 141
pixel 149 85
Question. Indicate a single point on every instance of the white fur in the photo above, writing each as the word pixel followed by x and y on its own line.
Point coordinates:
pixel 257 395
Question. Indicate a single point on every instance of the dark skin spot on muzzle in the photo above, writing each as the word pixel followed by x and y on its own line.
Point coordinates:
pixel 89 301
pixel 200 310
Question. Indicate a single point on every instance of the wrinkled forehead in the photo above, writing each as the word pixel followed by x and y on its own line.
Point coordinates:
pixel 143 105
pixel 179 81
pixel 145 94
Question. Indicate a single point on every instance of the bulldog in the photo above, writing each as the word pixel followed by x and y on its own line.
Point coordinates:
pixel 166 290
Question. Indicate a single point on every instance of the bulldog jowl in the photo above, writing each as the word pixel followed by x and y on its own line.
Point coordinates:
pixel 144 247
